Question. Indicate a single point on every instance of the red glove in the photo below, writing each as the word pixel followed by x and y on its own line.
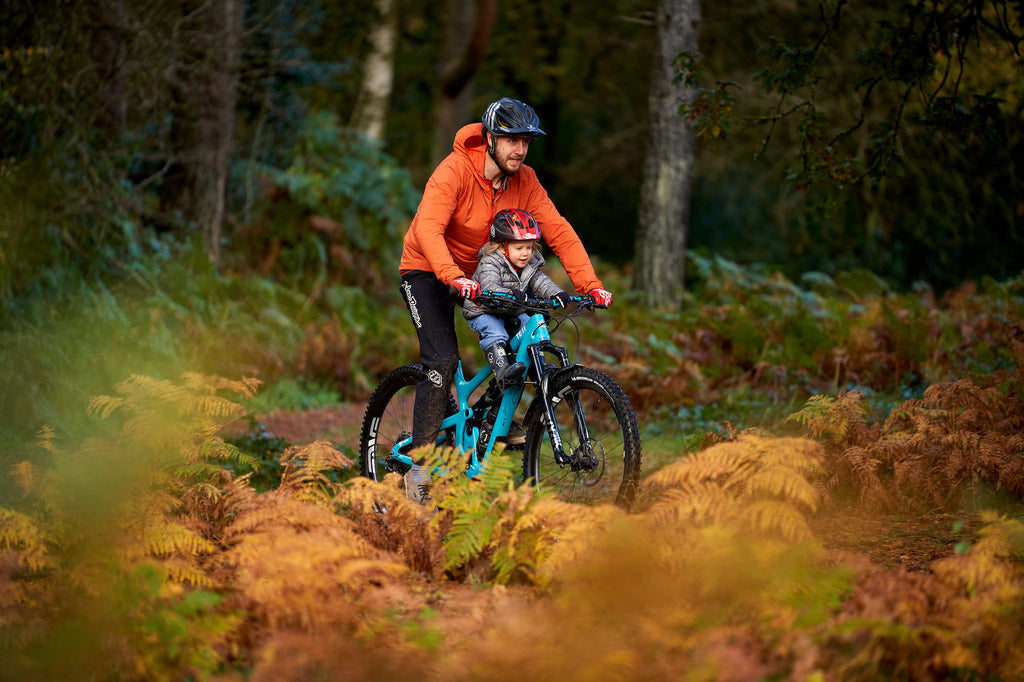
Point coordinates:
pixel 466 287
pixel 601 297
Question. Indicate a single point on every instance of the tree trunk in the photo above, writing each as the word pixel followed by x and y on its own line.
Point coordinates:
pixel 202 131
pixel 475 19
pixel 659 266
pixel 108 52
pixel 379 73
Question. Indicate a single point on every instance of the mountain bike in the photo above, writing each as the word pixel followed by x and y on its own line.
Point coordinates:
pixel 582 438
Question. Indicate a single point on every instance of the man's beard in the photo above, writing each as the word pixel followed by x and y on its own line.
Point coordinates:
pixel 503 166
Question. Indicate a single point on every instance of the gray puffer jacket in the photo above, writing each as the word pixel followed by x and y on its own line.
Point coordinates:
pixel 495 273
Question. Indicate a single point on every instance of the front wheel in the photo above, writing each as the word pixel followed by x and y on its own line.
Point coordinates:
pixel 599 434
pixel 388 421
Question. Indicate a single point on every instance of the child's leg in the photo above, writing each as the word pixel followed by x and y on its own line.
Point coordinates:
pixel 494 342
pixel 490 328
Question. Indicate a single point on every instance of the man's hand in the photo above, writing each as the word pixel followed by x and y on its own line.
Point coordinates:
pixel 601 297
pixel 466 287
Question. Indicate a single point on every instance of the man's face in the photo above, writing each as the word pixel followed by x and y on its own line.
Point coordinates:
pixel 510 152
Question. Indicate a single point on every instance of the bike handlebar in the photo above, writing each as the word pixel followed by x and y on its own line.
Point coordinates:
pixel 506 298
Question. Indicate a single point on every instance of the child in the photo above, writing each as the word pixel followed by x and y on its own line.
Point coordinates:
pixel 510 262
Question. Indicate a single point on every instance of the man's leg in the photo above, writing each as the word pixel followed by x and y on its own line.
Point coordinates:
pixel 433 312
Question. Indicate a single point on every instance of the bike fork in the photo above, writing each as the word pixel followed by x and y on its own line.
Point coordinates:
pixel 544 389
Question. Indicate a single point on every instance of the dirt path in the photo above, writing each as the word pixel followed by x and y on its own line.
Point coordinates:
pixel 339 425
pixel 912 542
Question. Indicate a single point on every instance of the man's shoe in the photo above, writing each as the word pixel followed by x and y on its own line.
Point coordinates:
pixel 417 492
pixel 516 435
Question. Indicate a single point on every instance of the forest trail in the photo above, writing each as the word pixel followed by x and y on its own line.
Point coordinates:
pixel 911 542
pixel 339 425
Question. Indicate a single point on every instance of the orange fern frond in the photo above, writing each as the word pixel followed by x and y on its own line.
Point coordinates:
pixel 757 484
pixel 320 561
pixel 23 535
pixel 307 471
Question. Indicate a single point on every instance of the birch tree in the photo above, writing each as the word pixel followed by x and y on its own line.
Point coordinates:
pixel 378 74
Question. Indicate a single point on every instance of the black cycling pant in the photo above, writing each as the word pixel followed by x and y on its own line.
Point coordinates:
pixel 432 307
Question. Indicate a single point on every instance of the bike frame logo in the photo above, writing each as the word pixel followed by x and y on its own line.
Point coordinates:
pixel 435 377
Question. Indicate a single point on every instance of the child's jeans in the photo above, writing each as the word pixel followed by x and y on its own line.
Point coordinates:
pixel 491 328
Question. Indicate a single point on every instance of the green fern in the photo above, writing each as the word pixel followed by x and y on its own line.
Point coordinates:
pixel 832 417
pixel 485 512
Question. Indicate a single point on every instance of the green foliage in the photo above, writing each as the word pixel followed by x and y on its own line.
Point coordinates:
pixel 176 634
pixel 420 629
pixel 111 538
pixel 268 456
pixel 484 514
pixel 831 418
pixel 342 204
pixel 851 113
pixel 170 312
pixel 751 346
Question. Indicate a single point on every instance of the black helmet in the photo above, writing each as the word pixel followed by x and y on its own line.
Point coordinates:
pixel 514 225
pixel 511 117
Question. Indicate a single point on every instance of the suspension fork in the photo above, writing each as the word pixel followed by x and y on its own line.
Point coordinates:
pixel 545 372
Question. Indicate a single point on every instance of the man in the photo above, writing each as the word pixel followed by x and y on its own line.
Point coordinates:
pixel 485 173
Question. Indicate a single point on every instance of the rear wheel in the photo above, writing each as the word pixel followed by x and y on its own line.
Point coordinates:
pixel 388 420
pixel 599 434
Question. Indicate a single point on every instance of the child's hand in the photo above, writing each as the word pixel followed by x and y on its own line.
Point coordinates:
pixel 562 298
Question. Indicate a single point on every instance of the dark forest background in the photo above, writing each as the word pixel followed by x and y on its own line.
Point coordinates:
pixel 202 204
pixel 825 141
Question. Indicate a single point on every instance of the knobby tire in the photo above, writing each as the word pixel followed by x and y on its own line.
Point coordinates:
pixel 611 472
pixel 388 419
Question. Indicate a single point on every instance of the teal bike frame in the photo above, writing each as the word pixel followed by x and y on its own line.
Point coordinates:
pixel 462 429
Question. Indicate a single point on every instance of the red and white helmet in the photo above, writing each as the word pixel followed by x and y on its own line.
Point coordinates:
pixel 514 225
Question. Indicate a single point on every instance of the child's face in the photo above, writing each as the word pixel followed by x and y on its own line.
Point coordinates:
pixel 519 253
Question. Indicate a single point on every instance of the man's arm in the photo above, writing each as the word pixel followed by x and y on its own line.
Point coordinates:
pixel 563 240
pixel 427 232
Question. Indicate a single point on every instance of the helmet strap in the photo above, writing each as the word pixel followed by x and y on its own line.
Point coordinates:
pixel 491 144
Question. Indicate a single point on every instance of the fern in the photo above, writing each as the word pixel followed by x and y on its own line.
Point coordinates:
pixel 321 562
pixel 120 528
pixel 25 536
pixel 482 512
pixel 961 621
pixel 308 471
pixel 836 419
pixel 759 484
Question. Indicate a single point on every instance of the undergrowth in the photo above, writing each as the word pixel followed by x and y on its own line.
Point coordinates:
pixel 141 541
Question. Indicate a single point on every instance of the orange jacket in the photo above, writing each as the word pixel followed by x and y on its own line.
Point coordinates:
pixel 454 217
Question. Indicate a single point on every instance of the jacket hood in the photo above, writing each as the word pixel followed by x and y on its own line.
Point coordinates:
pixel 471 143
